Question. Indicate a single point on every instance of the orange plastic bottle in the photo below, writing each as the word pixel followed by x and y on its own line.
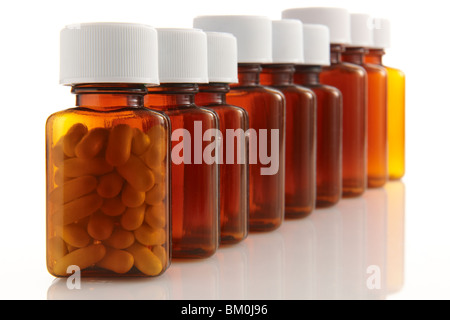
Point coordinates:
pixel 301 112
pixel 395 102
pixel 183 63
pixel 108 197
pixel 266 110
pixel 329 114
pixel 351 80
pixel 222 70
pixel 377 161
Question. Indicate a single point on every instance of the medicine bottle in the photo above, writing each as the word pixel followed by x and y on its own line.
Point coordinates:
pixel 107 157
pixel 183 64
pixel 266 111
pixel 329 114
pixel 233 161
pixel 396 99
pixel 351 80
pixel 362 39
pixel 287 50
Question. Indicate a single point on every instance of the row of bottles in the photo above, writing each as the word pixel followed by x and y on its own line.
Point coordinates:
pixel 187 139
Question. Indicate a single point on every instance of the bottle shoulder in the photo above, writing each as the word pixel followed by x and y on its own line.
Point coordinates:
pixel 375 69
pixel 396 72
pixel 346 67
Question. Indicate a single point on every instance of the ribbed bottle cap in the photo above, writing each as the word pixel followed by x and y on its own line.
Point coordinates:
pixel 287 41
pixel 183 56
pixel 336 19
pixel 316 44
pixel 108 53
pixel 222 57
pixel 362 30
pixel 253 33
pixel 381 33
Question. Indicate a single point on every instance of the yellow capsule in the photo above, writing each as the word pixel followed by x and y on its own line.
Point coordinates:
pixel 160 174
pixel 148 236
pixel 59 177
pixel 131 197
pixel 140 142
pixel 92 143
pixel 120 239
pixel 56 249
pixel 73 189
pixel 137 174
pixel 110 185
pixel 100 226
pixel 83 258
pixel 119 145
pixel 157 134
pixel 74 235
pixel 117 261
pixel 73 137
pixel 77 209
pixel 156 194
pixel 161 253
pixel 155 216
pixel 76 167
pixel 113 207
pixel 133 218
pixel 57 153
pixel 145 260
pixel 155 154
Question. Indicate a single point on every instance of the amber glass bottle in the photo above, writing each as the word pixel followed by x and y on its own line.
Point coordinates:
pixel 395 102
pixel 377 162
pixel 222 70
pixel 351 80
pixel 195 201
pixel 108 210
pixel 300 188
pixel 329 114
pixel 266 112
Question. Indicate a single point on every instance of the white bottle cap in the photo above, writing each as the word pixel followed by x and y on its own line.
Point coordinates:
pixel 253 33
pixel 316 44
pixel 336 19
pixel 108 53
pixel 183 56
pixel 381 33
pixel 287 41
pixel 362 30
pixel 222 57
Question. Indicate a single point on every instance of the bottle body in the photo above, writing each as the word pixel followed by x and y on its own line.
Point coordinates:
pixel 351 80
pixel 300 185
pixel 377 158
pixel 195 201
pixel 233 167
pixel 266 112
pixel 329 136
pixel 108 199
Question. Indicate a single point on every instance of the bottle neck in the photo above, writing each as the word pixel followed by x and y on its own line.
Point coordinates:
pixel 277 74
pixel 375 56
pixel 171 95
pixel 107 96
pixel 249 75
pixel 336 51
pixel 354 55
pixel 212 94
pixel 307 75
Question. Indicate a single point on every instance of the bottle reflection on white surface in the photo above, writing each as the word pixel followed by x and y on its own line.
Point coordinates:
pixel 266 270
pixel 395 236
pixel 376 243
pixel 110 289
pixel 194 279
pixel 300 265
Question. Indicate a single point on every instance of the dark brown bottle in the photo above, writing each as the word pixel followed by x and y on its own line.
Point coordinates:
pixel 195 171
pixel 266 112
pixel 329 114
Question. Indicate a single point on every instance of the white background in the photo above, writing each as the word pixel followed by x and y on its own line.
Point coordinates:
pixel 29 93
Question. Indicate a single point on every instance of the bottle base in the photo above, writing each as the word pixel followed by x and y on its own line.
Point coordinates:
pixel 295 214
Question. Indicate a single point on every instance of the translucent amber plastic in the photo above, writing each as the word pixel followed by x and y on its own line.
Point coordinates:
pixel 97 182
pixel 234 223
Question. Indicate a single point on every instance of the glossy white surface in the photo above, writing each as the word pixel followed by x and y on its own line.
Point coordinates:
pixel 328 255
